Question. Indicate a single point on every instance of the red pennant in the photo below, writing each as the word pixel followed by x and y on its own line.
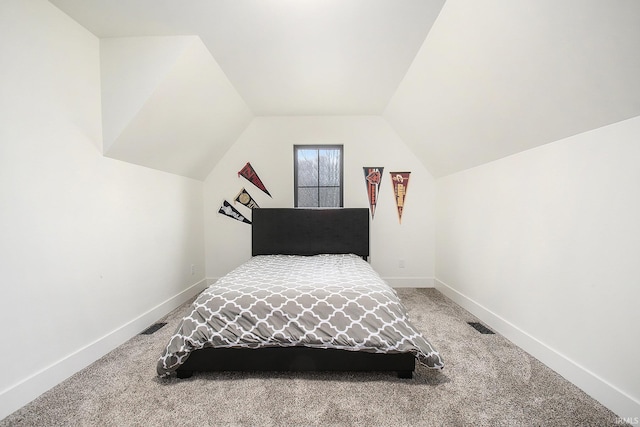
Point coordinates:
pixel 373 178
pixel 400 182
pixel 250 175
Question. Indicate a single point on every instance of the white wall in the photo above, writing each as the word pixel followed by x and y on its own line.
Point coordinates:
pixel 544 246
pixel 92 250
pixel 368 141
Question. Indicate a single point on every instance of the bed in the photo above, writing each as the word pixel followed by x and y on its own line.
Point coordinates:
pixel 307 300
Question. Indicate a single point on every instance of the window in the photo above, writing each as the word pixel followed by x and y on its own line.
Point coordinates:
pixel 317 176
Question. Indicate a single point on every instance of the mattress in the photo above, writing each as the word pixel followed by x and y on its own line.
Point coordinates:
pixel 322 301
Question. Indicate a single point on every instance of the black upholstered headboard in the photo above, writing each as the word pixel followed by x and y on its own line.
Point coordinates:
pixel 300 231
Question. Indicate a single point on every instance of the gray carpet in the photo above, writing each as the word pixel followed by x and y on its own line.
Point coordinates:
pixel 487 381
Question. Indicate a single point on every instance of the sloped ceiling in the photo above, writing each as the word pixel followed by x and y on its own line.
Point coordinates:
pixel 463 82
pixel 494 78
pixel 166 104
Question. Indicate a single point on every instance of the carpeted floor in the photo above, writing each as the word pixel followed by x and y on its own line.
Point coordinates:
pixel 487 381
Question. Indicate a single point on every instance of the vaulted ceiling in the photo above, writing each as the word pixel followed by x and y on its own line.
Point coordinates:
pixel 463 82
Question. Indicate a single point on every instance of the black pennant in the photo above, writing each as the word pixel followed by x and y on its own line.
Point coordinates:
pixel 231 212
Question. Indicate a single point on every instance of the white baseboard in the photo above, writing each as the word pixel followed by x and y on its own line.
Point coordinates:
pixel 24 392
pixel 616 400
pixel 409 282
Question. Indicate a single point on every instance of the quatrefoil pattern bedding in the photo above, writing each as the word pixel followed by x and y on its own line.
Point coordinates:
pixel 323 301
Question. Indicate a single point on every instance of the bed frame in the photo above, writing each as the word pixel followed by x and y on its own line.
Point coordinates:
pixel 303 232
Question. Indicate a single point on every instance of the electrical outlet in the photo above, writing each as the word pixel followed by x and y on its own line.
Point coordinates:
pixel 401 263
pixel 193 269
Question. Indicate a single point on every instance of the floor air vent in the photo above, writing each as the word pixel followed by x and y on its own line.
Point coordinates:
pixel 153 328
pixel 480 328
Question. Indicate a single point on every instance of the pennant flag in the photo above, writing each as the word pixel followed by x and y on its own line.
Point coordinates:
pixel 400 182
pixel 245 198
pixel 231 212
pixel 250 175
pixel 373 178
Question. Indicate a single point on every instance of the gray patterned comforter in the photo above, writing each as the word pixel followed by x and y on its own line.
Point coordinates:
pixel 323 301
